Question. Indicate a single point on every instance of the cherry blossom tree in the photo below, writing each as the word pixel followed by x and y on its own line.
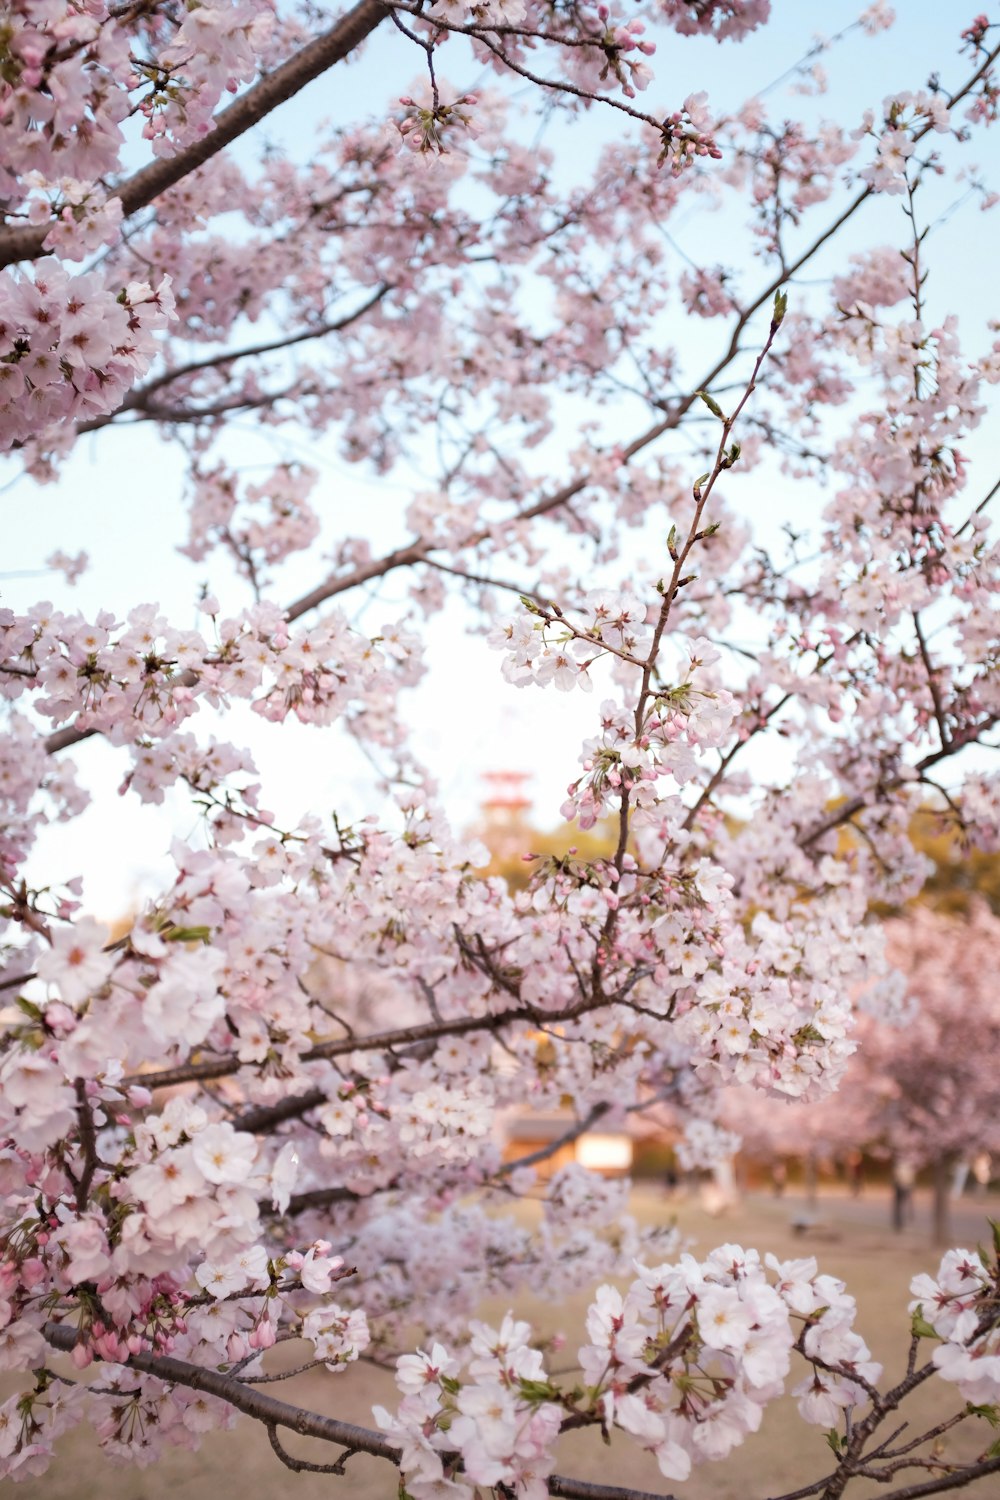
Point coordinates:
pixel 932 1084
pixel 772 1130
pixel 266 1112
pixel 922 1087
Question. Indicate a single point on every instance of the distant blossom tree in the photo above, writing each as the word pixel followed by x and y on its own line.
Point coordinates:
pixel 771 1129
pixel 265 1113
pixel 922 1088
pixel 933 1084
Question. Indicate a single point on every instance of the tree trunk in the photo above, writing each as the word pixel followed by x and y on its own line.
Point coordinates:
pixel 942 1201
pixel 810 1181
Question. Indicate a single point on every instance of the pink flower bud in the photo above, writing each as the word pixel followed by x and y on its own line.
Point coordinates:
pixel 263 1336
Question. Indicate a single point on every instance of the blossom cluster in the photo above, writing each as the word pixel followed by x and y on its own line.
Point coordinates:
pixel 142 677
pixel 71 79
pixel 172 1232
pixel 684 1363
pixel 684 718
pixel 903 115
pixel 286 523
pixel 72 346
pixel 957 1307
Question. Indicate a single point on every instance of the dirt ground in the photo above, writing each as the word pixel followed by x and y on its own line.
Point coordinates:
pixel 851 1239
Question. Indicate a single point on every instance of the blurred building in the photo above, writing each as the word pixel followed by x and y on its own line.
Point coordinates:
pixel 504 825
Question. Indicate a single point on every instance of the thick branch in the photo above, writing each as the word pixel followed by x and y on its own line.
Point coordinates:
pixel 579 1489
pixel 404 1035
pixel 247 1399
pixel 146 185
pixel 955 1481
pixel 274 1414
pixel 264 1118
pixel 138 399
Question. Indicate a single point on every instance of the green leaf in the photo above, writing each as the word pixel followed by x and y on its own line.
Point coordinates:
pixel 780 308
pixel 187 934
pixel 833 1438
pixel 712 405
pixel 919 1326
pixel 989 1413
pixel 538 1390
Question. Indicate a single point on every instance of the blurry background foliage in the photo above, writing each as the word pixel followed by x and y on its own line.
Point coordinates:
pixel 959 875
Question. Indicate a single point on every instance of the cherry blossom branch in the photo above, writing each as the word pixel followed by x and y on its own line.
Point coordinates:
pixel 725 457
pixel 984 502
pixel 955 1481
pixel 264 1117
pixel 341 1046
pixel 581 1489
pixel 856 804
pixel 88 1143
pixel 275 1414
pixel 932 682
pixel 566 1139
pixel 279 1375
pixel 138 398
pixel 252 1402
pixel 301 1203
pixel 303 1465
pixel 551 614
pixel 926 1437
pixel 15 982
pixel 272 90
pixel 256 1121
pixel 482 34
pixel 726 760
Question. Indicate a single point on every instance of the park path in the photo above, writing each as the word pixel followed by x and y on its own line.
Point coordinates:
pixel 837 1209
